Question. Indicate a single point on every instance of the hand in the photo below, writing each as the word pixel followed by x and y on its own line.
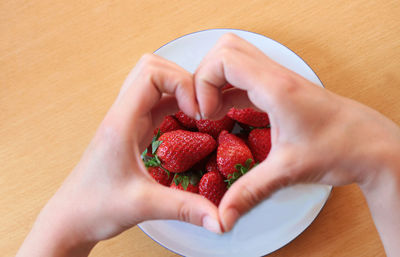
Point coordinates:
pixel 110 190
pixel 317 136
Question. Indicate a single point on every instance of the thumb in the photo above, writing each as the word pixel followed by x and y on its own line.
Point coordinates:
pixel 251 189
pixel 183 206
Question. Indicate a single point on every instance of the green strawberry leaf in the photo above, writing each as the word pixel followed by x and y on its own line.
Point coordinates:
pixel 153 162
pixel 167 171
pixel 157 136
pixel 155 143
pixel 248 163
pixel 144 154
pixel 177 179
pixel 154 146
pixel 241 170
pixel 185 182
pixel 232 178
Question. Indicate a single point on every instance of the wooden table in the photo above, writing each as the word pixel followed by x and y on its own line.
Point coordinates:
pixel 62 63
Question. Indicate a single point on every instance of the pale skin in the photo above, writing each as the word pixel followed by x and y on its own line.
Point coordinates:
pixel 340 142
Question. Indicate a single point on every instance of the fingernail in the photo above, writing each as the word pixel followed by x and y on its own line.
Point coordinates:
pixel 203 115
pixel 198 116
pixel 211 224
pixel 229 218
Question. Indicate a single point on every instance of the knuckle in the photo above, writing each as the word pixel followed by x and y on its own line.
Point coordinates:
pixel 228 40
pixel 184 213
pixel 295 168
pixel 186 80
pixel 225 53
pixel 286 82
pixel 252 195
pixel 147 58
pixel 147 62
pixel 284 79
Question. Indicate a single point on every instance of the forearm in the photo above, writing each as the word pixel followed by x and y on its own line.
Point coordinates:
pixel 383 197
pixel 51 236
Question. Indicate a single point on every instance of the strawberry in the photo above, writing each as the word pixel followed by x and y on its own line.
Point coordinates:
pixel 160 175
pixel 179 150
pixel 212 186
pixel 232 151
pixel 214 127
pixel 168 124
pixel 211 164
pixel 249 117
pixel 185 120
pixel 187 181
pixel 259 142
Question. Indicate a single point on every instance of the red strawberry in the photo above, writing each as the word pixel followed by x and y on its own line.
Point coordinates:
pixel 212 186
pixel 211 164
pixel 168 124
pixel 180 149
pixel 185 120
pixel 232 151
pixel 260 143
pixel 188 181
pixel 160 175
pixel 249 116
pixel 214 127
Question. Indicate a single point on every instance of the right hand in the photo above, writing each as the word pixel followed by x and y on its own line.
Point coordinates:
pixel 317 136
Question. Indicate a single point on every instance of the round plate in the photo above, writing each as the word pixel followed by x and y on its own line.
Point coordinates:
pixel 273 223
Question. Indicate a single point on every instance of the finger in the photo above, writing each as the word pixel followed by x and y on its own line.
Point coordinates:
pixel 220 66
pixel 152 77
pixel 183 206
pixel 230 98
pixel 244 66
pixel 166 106
pixel 211 77
pixel 252 188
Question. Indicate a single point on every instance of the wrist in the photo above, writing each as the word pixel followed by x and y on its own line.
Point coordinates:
pixel 382 194
pixel 383 167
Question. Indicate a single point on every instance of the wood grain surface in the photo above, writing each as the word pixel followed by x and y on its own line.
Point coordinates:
pixel 62 63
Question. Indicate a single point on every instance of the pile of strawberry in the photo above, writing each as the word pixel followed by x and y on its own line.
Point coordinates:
pixel 204 156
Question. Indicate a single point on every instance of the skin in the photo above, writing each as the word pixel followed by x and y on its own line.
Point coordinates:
pixel 331 144
pixel 110 190
pixel 317 136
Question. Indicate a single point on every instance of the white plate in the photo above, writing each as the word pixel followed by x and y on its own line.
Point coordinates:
pixel 273 223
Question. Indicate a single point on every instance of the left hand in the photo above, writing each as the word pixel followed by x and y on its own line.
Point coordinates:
pixel 110 190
